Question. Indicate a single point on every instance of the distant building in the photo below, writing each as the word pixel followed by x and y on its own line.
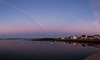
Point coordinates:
pixel 79 38
pixel 69 37
pixel 83 36
pixel 66 37
pixel 62 37
pixel 74 37
pixel 96 37
pixel 90 37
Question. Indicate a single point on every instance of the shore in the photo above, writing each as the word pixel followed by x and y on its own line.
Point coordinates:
pixel 53 39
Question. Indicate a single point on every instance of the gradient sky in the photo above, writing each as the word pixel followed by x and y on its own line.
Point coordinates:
pixel 49 18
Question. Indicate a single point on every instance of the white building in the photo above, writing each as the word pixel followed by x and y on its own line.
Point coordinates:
pixel 96 37
pixel 74 37
pixel 62 37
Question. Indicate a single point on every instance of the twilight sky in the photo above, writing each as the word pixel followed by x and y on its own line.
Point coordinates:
pixel 49 18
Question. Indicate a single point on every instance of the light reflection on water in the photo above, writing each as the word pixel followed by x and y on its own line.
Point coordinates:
pixel 45 50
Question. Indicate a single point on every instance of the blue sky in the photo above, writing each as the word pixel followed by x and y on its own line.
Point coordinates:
pixel 45 18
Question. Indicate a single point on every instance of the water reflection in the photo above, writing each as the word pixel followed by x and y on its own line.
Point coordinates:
pixel 45 50
pixel 51 43
pixel 14 42
pixel 96 45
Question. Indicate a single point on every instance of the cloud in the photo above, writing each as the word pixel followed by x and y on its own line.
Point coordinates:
pixel 25 13
pixel 96 23
pixel 95 6
pixel 90 25
pixel 96 14
pixel 82 22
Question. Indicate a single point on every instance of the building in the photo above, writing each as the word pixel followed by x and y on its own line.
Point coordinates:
pixel 74 37
pixel 66 37
pixel 96 37
pixel 69 37
pixel 62 38
pixel 90 37
pixel 83 36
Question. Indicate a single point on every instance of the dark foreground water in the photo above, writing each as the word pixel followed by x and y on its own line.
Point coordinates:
pixel 45 50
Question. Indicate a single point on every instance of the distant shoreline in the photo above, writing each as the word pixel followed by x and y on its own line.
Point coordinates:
pixel 53 39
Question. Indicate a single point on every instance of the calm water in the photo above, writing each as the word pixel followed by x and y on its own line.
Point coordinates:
pixel 45 50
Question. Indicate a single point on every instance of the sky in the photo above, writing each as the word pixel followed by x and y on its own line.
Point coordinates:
pixel 49 18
